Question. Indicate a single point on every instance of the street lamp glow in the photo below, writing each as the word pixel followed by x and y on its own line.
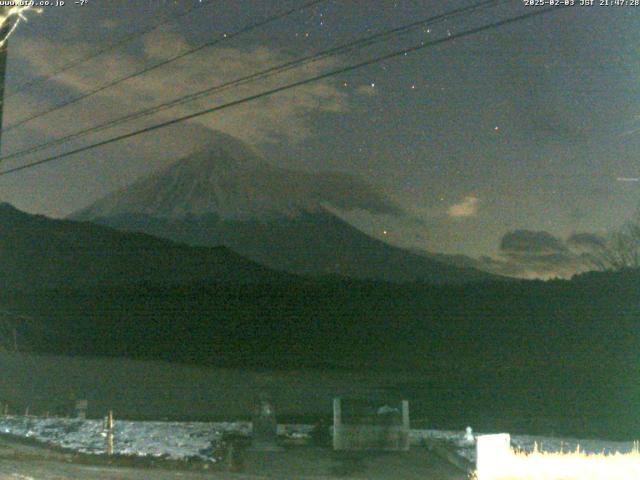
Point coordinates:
pixel 10 18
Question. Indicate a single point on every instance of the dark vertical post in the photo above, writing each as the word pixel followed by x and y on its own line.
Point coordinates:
pixel 108 425
pixel 337 424
pixel 15 329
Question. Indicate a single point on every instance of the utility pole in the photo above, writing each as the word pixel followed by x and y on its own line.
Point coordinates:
pixel 3 71
pixel 5 30
pixel 9 19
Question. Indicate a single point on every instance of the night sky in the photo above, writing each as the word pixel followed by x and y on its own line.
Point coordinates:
pixel 501 144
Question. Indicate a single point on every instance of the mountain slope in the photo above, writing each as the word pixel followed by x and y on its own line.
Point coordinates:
pixel 309 244
pixel 229 179
pixel 38 252
pixel 227 194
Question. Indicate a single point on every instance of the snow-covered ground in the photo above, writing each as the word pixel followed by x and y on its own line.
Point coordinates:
pixel 175 440
pixel 184 440
pixel 525 443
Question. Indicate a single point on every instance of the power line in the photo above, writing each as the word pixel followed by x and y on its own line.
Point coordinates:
pixel 96 53
pixel 167 61
pixel 289 86
pixel 367 41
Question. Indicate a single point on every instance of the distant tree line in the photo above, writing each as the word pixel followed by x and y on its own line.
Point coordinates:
pixel 619 250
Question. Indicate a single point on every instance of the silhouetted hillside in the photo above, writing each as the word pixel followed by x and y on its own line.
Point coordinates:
pixel 37 252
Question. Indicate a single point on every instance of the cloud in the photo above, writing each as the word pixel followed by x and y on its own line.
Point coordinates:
pixel 159 45
pixel 528 243
pixel 585 242
pixel 109 23
pixel 530 254
pixel 348 192
pixel 283 116
pixel 538 254
pixel 468 207
pixel 286 117
pixel 501 267
pixel 367 90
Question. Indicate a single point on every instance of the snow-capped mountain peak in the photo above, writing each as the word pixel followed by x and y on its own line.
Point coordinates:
pixel 231 180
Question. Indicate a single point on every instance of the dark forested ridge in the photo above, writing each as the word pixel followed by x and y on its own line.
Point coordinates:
pixel 340 321
pixel 316 243
pixel 37 252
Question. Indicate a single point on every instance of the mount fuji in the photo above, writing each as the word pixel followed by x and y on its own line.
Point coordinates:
pixel 228 194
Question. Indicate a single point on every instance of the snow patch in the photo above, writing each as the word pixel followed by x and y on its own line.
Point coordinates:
pixel 187 440
pixel 525 443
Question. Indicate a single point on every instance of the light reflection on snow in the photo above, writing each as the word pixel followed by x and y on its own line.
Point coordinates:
pixel 173 440
pixel 184 440
pixel 526 443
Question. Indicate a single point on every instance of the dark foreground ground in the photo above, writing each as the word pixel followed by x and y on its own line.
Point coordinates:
pixel 486 397
pixel 30 462
pixel 557 358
